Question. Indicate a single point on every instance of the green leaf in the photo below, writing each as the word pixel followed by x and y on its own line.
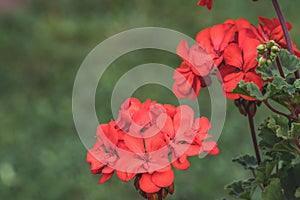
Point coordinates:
pixel 297 193
pixel 273 191
pixel 295 130
pixel 247 161
pixel 289 63
pixel 264 172
pixel 290 182
pixel 276 138
pixel 297 84
pixel 240 189
pixel 249 89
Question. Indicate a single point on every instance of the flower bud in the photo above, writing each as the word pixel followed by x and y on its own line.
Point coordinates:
pixel 272 55
pixel 251 108
pixel 143 194
pixel 269 62
pixel 136 183
pixel 171 188
pixel 270 44
pixel 261 49
pixel 262 61
pixel 164 193
pixel 275 49
pixel 155 197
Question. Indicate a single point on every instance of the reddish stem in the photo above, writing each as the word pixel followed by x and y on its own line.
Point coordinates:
pixel 285 30
pixel 279 66
pixel 254 140
pixel 278 112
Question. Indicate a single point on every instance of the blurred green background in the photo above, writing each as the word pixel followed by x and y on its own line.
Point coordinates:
pixel 42 44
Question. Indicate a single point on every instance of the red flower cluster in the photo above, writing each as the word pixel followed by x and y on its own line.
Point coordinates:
pixel 145 142
pixel 231 49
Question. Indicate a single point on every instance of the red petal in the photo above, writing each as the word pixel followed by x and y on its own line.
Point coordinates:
pixel 147 185
pixel 107 170
pixel 182 50
pixel 136 145
pixel 183 119
pixel 203 38
pixel 193 150
pixel 124 176
pixel 233 56
pixel 105 177
pixel 231 81
pixel 217 34
pixel 210 146
pixel 181 165
pixel 163 179
pixel 95 165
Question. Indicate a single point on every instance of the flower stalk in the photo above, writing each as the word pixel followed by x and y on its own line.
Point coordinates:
pixel 285 30
pixel 254 139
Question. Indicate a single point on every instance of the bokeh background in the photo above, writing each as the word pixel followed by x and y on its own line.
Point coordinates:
pixel 42 44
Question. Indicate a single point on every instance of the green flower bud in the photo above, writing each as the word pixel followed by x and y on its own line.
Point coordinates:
pixel 275 49
pixel 261 49
pixel 269 62
pixel 262 61
pixel 270 44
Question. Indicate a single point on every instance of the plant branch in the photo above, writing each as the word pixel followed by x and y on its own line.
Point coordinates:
pixel 254 140
pixel 285 30
pixel 278 112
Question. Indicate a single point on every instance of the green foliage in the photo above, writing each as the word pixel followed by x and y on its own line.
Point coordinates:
pixel 247 161
pixel 290 181
pixel 289 63
pixel 297 193
pixel 241 189
pixel 277 137
pixel 273 191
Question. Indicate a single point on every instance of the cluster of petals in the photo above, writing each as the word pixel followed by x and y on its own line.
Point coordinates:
pixel 146 142
pixel 229 49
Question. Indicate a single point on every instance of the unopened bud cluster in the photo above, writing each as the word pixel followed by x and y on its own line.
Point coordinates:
pixel 246 107
pixel 267 52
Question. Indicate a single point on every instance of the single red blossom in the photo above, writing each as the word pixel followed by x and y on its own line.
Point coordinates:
pixel 207 3
pixel 271 29
pixel 215 39
pixel 240 64
pixel 193 72
pixel 186 83
pixel 186 136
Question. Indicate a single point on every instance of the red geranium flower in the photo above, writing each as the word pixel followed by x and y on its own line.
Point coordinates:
pixel 240 64
pixel 145 142
pixel 271 29
pixel 207 3
pixel 215 39
pixel 194 71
